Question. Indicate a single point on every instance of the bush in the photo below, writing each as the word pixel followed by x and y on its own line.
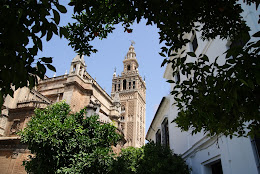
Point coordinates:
pixel 150 159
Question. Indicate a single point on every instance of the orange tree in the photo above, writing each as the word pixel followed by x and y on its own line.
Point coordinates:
pixel 68 143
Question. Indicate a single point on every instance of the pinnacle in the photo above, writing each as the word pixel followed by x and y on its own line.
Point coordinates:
pixel 79 58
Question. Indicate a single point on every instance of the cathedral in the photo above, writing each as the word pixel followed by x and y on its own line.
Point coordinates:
pixel 125 107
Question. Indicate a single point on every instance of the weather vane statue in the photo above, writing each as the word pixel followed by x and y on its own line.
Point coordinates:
pixel 132 42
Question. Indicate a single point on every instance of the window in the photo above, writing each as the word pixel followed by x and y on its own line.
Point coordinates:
pixel 115 87
pixel 128 67
pixel 123 109
pixel 124 84
pixel 118 87
pixel 74 69
pixel 216 168
pixel 213 166
pixel 158 137
pixel 133 84
pixel 129 85
pixel 165 132
pixel 194 43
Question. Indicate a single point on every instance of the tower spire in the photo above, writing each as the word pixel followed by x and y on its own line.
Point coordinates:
pixel 130 61
pixel 131 52
pixel 132 42
pixel 114 75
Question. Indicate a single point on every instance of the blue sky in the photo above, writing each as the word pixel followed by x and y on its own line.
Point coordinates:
pixel 111 53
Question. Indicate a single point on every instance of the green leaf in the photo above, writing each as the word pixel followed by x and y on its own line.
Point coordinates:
pixel 192 54
pixel 244 82
pixel 64 32
pixel 46 59
pixel 49 35
pixel 173 54
pixel 51 67
pixel 163 55
pixel 61 8
pixel 205 58
pixel 164 49
pixel 164 62
pixel 41 69
pixel 39 43
pixel 56 16
pixel 257 34
pixel 170 81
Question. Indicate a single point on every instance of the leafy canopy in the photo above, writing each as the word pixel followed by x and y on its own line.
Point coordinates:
pixel 150 159
pixel 229 93
pixel 218 99
pixel 24 23
pixel 68 143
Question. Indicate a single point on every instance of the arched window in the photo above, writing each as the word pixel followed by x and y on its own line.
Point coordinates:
pixel 123 108
pixel 124 84
pixel 165 132
pixel 128 67
pixel 158 137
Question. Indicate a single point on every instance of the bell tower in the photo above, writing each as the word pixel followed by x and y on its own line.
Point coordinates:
pixel 132 90
pixel 77 66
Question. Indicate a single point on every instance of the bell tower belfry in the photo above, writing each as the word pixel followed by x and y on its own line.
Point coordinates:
pixel 132 90
pixel 77 66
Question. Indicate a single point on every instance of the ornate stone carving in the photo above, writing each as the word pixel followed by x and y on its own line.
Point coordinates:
pixel 15 155
pixel 15 126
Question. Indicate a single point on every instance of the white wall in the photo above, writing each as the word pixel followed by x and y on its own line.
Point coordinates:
pixel 237 154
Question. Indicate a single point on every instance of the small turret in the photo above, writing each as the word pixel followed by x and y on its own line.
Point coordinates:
pixel 78 66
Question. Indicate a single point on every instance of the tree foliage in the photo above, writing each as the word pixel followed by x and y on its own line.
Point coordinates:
pixel 68 143
pixel 128 161
pixel 219 99
pixel 229 92
pixel 24 23
pixel 150 159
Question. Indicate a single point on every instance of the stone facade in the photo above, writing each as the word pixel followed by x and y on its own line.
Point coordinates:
pixel 79 90
pixel 131 89
pixel 16 112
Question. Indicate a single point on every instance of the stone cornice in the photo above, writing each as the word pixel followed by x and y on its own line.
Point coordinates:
pixel 83 90
pixel 12 143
